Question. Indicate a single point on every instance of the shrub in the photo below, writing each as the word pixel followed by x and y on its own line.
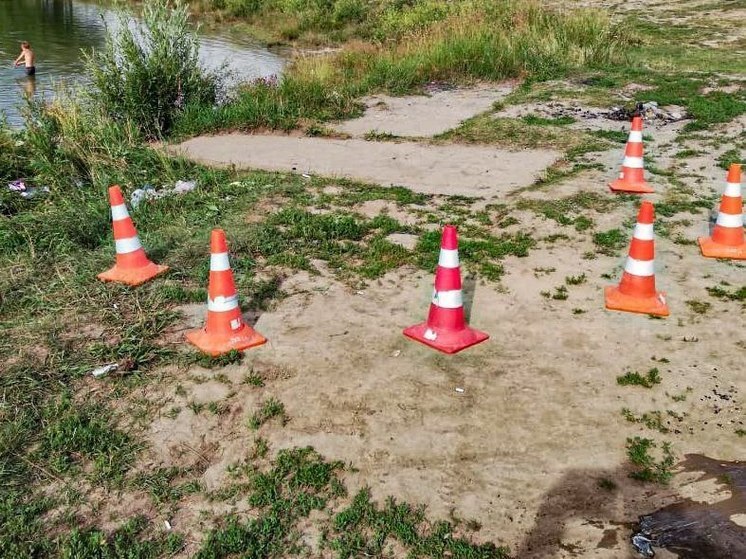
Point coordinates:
pixel 147 72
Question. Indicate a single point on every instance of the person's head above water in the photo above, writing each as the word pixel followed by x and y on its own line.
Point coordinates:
pixel 25 45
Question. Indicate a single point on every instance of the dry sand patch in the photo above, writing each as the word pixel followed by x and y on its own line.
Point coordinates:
pixel 445 169
pixel 423 115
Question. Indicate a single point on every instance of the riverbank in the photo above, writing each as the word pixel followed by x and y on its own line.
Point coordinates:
pixel 551 438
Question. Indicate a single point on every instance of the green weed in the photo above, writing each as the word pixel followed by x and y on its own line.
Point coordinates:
pixel 728 295
pixel 560 293
pixel 298 482
pixel 73 432
pixel 647 468
pixel 576 280
pixel 687 153
pixel 162 487
pixel 130 540
pixel 729 157
pixel 481 254
pixel 564 210
pixel 633 378
pixel 375 136
pixel 651 420
pixel 269 409
pixel 610 242
pixel 541 121
pixel 253 379
pixel 363 530
pixel 699 307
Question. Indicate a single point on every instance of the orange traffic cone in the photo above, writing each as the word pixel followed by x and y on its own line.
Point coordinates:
pixel 636 292
pixel 224 330
pixel 446 329
pixel 727 240
pixel 632 177
pixel 132 265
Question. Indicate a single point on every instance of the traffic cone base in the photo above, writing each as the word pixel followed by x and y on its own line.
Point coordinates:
pixel 132 264
pixel 132 276
pixel 217 344
pixel 636 291
pixel 224 328
pixel 621 185
pixel 618 301
pixel 711 249
pixel 446 341
pixel 727 239
pixel 632 176
pixel 445 328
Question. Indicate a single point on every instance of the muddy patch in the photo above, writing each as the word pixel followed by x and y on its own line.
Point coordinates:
pixel 694 528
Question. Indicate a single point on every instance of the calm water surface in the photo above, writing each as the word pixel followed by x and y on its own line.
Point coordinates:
pixel 59 29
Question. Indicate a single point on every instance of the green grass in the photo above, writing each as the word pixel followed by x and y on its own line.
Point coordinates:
pixel 651 420
pixel 269 409
pixel 297 483
pixel 519 133
pixel 729 157
pixel 610 242
pixel 736 294
pixel 633 378
pixel 77 434
pixel 470 40
pixel 570 210
pixel 647 468
pixel 542 121
pixel 364 529
pixel 479 254
pixel 163 487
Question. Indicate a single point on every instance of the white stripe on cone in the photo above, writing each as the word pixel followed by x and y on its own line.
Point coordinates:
pixel 119 212
pixel 639 267
pixel 732 189
pixel 448 299
pixel 632 162
pixel 219 262
pixel 643 231
pixel 222 304
pixel 730 220
pixel 125 246
pixel 448 258
pixel 635 137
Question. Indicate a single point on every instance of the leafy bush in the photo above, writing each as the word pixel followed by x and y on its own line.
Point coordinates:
pixel 147 72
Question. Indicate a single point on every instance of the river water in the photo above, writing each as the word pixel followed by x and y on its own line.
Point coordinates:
pixel 59 29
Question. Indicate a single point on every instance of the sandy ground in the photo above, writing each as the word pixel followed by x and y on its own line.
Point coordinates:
pixel 425 115
pixel 464 170
pixel 536 421
pixel 523 447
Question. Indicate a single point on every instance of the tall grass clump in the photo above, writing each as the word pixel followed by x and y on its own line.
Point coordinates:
pixel 148 71
pixel 458 42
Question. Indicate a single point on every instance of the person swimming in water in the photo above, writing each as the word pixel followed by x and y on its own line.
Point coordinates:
pixel 28 58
